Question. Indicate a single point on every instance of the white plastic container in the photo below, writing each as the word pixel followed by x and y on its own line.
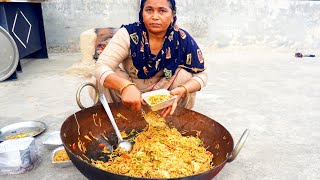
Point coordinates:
pixel 161 105
pixel 53 140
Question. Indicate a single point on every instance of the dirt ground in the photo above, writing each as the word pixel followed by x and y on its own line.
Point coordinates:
pixel 274 95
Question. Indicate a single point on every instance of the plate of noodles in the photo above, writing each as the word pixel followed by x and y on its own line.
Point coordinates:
pixel 22 130
pixel 158 99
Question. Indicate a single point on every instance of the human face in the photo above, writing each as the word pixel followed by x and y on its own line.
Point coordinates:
pixel 157 16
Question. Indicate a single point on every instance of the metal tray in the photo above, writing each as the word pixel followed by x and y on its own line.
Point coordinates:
pixel 36 127
pixel 9 55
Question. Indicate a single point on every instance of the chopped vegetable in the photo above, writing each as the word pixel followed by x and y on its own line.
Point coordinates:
pixel 101 146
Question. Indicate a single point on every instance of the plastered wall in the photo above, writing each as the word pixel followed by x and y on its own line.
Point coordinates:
pixel 274 24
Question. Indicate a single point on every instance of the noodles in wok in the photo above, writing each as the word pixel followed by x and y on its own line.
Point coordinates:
pixel 160 152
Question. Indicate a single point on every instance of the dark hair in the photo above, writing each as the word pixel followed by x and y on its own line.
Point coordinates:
pixel 173 8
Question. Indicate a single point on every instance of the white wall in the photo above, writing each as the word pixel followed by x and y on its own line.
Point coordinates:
pixel 214 23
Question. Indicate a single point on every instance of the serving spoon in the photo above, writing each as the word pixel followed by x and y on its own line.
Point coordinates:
pixel 126 145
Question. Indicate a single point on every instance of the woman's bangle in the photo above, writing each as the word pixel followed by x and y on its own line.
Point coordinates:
pixel 187 92
pixel 125 86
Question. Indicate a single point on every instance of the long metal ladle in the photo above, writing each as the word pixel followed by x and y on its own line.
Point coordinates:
pixel 126 145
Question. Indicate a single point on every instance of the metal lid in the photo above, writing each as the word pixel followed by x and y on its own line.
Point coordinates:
pixel 9 55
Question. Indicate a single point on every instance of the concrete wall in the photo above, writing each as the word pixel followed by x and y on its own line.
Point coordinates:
pixel 66 19
pixel 214 23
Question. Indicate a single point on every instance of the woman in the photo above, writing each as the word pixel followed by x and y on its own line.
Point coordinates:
pixel 155 54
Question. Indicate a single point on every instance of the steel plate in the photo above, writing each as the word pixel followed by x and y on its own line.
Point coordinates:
pixel 23 127
pixel 9 55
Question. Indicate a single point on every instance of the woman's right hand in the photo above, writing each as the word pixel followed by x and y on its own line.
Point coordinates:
pixel 131 96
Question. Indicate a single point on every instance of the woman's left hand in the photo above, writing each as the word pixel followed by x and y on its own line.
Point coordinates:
pixel 179 92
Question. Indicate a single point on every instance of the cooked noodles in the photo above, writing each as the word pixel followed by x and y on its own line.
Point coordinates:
pixel 21 135
pixel 156 99
pixel 60 156
pixel 75 116
pixel 160 152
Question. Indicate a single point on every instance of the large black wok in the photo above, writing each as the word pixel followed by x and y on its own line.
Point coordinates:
pixel 78 125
